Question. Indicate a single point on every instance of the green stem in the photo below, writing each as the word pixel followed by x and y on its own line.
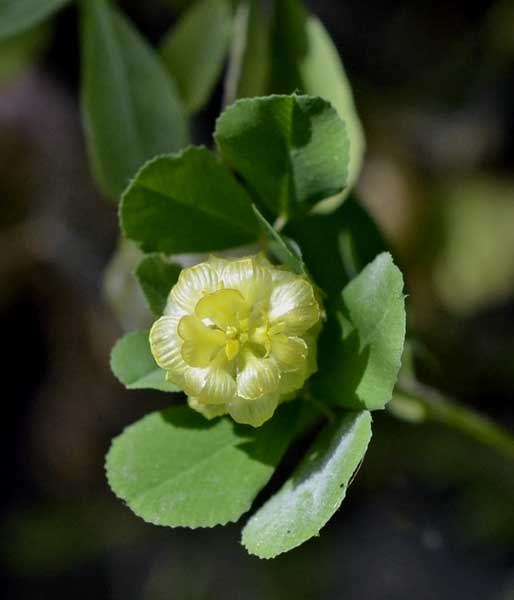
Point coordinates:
pixel 433 405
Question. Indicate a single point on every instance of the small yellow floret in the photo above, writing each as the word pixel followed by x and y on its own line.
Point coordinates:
pixel 237 335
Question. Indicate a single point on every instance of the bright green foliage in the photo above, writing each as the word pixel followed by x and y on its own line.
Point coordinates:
pixel 248 70
pixel 156 277
pixel 322 73
pixel 314 492
pixel 291 151
pixel 281 247
pixel 131 109
pixel 306 59
pixel 133 364
pixel 195 49
pixel 362 344
pixel 19 15
pixel 176 468
pixel 351 240
pixel 188 202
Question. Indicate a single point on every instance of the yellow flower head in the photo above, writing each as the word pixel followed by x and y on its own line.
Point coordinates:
pixel 237 335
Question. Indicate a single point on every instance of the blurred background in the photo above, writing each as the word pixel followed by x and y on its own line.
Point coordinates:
pixel 431 514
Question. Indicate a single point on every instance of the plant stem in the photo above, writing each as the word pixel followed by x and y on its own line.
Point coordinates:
pixel 433 405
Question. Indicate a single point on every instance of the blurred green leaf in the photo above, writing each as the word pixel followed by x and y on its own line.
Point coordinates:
pixel 121 290
pixel 133 364
pixel 350 238
pixel 17 16
pixel 474 267
pixel 131 109
pixel 188 202
pixel 281 247
pixel 195 49
pixel 18 51
pixel 249 64
pixel 292 151
pixel 362 344
pixel 314 492
pixel 156 277
pixel 175 468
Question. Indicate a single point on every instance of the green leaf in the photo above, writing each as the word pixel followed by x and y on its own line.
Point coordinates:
pixel 362 344
pixel 351 240
pixel 292 151
pixel 188 202
pixel 314 492
pixel 195 49
pixel 156 277
pixel 131 109
pixel 133 365
pixel 282 248
pixel 176 468
pixel 20 15
pixel 306 59
pixel 248 69
pixel 322 73
pixel 21 50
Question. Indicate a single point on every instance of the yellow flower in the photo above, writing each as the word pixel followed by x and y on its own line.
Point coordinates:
pixel 238 336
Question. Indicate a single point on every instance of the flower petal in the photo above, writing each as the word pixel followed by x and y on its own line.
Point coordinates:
pixel 194 380
pixel 209 411
pixel 249 277
pixel 201 343
pixel 292 380
pixel 219 388
pixel 224 308
pixel 293 304
pixel 258 377
pixel 165 345
pixel 253 412
pixel 192 284
pixel 290 352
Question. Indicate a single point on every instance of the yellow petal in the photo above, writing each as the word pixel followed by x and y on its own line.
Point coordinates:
pixel 219 387
pixel 224 308
pixel 292 380
pixel 209 411
pixel 201 343
pixel 258 377
pixel 194 380
pixel 293 304
pixel 192 284
pixel 253 412
pixel 249 277
pixel 232 349
pixel 165 345
pixel 290 352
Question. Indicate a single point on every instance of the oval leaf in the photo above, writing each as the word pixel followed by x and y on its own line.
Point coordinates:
pixel 131 109
pixel 175 468
pixel 195 49
pixel 187 202
pixel 292 151
pixel 157 276
pixel 314 492
pixel 19 15
pixel 133 364
pixel 361 346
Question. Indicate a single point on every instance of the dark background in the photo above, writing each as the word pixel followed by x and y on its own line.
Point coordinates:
pixel 431 514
